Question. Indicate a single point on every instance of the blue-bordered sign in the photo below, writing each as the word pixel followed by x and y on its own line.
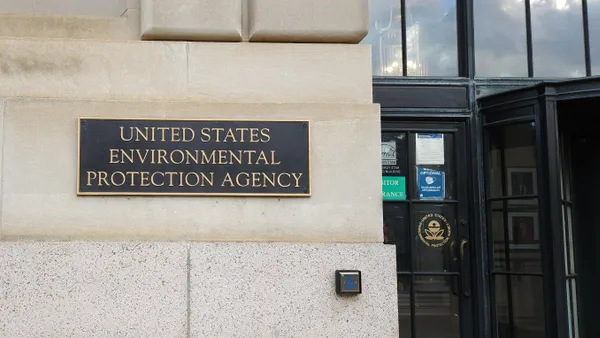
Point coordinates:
pixel 431 184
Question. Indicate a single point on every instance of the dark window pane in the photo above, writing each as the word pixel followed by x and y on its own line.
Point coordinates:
pixel 594 24
pixel 437 308
pixel 524 236
pixel 385 36
pixel 436 249
pixel 498 236
pixel 431 38
pixel 527 306
pixel 502 306
pixel 435 180
pixel 495 162
pixel 396 231
pixel 557 32
pixel 404 323
pixel 500 38
pixel 519 298
pixel 522 230
pixel 512 154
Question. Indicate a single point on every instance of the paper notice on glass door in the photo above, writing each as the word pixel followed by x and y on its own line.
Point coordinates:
pixel 430 149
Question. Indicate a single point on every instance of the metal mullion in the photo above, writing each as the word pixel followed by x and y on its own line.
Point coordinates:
pixel 403 35
pixel 520 197
pixel 485 169
pixel 411 231
pixel 465 38
pixel 437 274
pixel 586 38
pixel 529 38
pixel 515 273
pixel 506 241
pixel 434 201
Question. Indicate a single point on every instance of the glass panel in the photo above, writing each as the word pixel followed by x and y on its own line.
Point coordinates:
pixel 564 231
pixel 519 159
pixel 557 32
pixel 574 307
pixel 394 166
pixel 385 36
pixel 594 24
pixel 512 153
pixel 404 306
pixel 434 170
pixel 524 236
pixel 436 308
pixel 570 241
pixel 569 308
pixel 500 38
pixel 527 306
pixel 395 230
pixel 431 38
pixel 502 307
pixel 495 159
pixel 498 236
pixel 436 249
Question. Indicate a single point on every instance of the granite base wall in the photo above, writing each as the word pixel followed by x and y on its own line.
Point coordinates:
pixel 184 289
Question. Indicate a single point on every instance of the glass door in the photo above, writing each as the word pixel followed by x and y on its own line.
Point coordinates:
pixel 424 183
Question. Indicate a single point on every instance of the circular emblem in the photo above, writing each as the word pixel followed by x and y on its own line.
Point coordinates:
pixel 434 230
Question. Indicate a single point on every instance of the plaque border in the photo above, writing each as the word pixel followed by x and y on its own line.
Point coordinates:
pixel 190 194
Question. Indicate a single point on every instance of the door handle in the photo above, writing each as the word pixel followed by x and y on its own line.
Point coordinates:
pixel 463 243
pixel 464 274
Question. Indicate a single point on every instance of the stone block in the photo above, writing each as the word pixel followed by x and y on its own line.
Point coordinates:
pixel 200 20
pixel 288 290
pixel 92 69
pixel 69 27
pixel 93 289
pixel 39 192
pixel 112 8
pixel 274 72
pixel 332 21
pixel 177 71
pixel 17 6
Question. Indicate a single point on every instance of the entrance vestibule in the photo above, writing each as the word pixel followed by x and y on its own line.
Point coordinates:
pixel 541 150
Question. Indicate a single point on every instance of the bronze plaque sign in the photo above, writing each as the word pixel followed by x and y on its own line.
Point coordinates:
pixel 193 157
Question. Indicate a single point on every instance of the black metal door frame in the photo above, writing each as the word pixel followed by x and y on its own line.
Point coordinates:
pixel 459 126
pixel 538 104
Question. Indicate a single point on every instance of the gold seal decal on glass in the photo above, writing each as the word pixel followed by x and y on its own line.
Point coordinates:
pixel 434 230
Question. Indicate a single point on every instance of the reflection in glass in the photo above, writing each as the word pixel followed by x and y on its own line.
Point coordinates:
pixel 594 26
pixel 404 306
pixel 431 44
pixel 513 154
pixel 519 298
pixel 527 306
pixel 502 310
pixel 557 32
pixel 500 38
pixel 522 229
pixel 524 236
pixel 385 36
pixel 498 236
pixel 436 307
